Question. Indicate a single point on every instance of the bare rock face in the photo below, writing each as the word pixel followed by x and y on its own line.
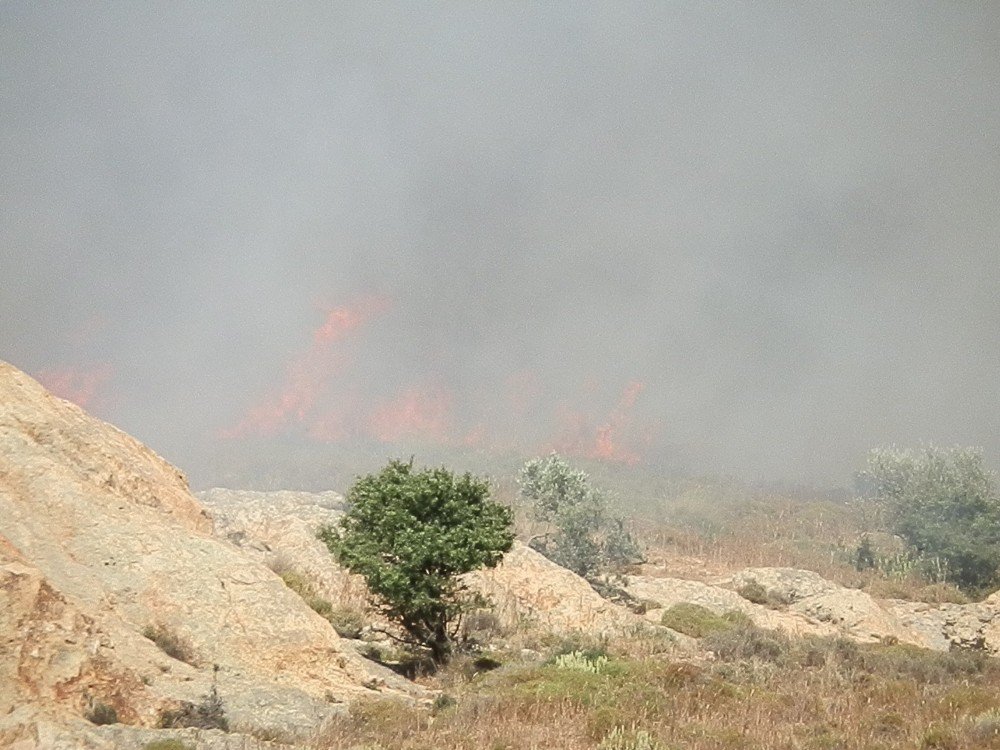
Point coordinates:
pixel 100 539
pixel 526 587
pixel 946 626
pixel 279 529
pixel 810 605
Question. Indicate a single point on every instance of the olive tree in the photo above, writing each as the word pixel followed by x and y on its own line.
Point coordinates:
pixel 411 534
pixel 946 505
pixel 584 537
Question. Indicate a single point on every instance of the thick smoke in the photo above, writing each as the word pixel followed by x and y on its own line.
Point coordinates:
pixel 752 239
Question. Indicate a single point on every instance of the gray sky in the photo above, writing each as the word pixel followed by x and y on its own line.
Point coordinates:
pixel 754 238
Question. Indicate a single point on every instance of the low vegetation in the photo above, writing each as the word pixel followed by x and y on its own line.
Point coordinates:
pixel 581 532
pixel 945 504
pixel 698 622
pixel 210 713
pixel 171 643
pixel 763 689
pixel 101 713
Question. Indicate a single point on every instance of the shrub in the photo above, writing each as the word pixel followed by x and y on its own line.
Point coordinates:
pixel 102 713
pixel 754 591
pixel 170 643
pixel 749 643
pixel 620 739
pixel 946 505
pixel 347 621
pixel 411 534
pixel 209 714
pixel 585 539
pixel 694 620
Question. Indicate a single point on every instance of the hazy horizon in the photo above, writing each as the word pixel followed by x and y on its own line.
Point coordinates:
pixel 749 239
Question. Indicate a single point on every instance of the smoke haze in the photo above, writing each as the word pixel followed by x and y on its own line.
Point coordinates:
pixel 749 238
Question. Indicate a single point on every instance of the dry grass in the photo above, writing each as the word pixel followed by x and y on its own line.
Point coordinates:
pixel 765 691
pixel 815 535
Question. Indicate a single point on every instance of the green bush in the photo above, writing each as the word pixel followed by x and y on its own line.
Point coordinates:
pixel 945 503
pixel 697 621
pixel 411 534
pixel 585 538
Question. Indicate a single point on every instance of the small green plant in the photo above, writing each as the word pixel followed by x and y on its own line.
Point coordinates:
pixel 745 643
pixel 985 727
pixel 170 643
pixel 697 621
pixel 621 739
pixel 101 713
pixel 581 662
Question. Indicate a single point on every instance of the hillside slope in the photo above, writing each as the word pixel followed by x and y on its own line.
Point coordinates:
pixel 100 539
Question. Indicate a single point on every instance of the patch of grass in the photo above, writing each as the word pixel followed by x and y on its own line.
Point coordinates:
pixel 347 621
pixel 168 744
pixel 749 642
pixel 170 643
pixel 620 738
pixel 697 621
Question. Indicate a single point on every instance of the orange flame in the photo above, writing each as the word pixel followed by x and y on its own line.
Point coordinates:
pixel 605 443
pixel 81 385
pixel 414 413
pixel 308 374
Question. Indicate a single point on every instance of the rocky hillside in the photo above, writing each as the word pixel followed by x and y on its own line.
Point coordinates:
pixel 100 543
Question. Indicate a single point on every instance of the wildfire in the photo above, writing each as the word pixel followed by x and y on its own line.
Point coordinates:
pixel 308 375
pixel 81 385
pixel 609 440
pixel 415 412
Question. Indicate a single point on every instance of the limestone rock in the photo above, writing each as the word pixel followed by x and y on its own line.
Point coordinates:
pixel 666 592
pixel 853 613
pixel 528 587
pixel 279 529
pixel 100 538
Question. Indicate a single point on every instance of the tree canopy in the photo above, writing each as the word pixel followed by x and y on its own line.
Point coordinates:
pixel 411 534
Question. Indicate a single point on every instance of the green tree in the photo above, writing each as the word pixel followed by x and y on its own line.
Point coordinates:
pixel 946 505
pixel 585 538
pixel 411 534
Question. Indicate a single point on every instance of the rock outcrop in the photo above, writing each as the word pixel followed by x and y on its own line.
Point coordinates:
pixel 100 539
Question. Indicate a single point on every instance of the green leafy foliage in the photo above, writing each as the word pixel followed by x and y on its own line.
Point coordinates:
pixel 411 534
pixel 585 538
pixel 945 503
